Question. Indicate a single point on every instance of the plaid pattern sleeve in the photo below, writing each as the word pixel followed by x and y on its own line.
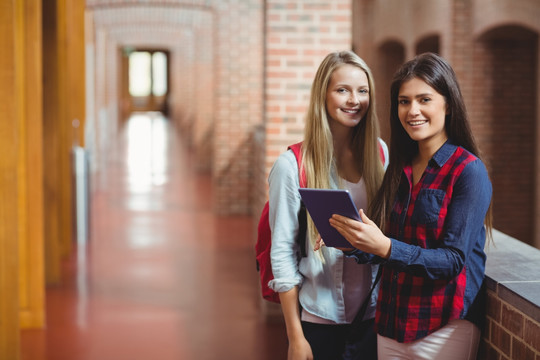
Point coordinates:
pixel 437 261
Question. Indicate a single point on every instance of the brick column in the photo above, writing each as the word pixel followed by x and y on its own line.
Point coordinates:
pixel 298 36
pixel 462 45
pixel 239 100
pixel 203 130
pixel 364 31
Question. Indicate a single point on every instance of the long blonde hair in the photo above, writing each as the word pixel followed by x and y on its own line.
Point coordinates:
pixel 318 149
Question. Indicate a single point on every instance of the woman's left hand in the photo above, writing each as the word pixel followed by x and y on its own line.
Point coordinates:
pixel 364 235
pixel 320 243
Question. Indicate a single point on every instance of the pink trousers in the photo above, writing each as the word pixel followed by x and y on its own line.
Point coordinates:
pixel 457 341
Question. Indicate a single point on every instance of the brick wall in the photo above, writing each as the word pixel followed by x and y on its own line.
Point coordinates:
pixel 182 86
pixel 239 100
pixel 461 45
pixel 204 78
pixel 505 61
pixel 512 323
pixel 509 332
pixel 390 56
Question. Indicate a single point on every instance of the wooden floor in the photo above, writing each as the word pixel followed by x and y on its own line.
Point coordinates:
pixel 161 277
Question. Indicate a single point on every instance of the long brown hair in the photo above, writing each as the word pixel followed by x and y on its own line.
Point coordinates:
pixel 437 73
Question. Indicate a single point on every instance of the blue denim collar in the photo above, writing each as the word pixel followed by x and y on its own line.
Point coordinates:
pixel 443 154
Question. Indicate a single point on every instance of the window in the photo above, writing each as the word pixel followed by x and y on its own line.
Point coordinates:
pixel 147 73
pixel 159 74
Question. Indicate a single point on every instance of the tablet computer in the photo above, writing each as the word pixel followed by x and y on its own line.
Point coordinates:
pixel 321 204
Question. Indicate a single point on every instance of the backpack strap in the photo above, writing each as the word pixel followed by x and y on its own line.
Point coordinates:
pixel 360 315
pixel 297 150
pixel 382 153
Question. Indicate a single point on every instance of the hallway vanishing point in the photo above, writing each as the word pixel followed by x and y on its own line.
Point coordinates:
pixel 162 276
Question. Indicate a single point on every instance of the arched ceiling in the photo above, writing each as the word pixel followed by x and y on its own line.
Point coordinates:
pixel 119 3
pixel 154 15
pixel 152 25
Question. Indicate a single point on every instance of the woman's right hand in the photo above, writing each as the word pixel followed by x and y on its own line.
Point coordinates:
pixel 299 350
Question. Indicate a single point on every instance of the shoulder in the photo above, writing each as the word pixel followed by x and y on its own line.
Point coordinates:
pixel 456 162
pixel 469 161
pixel 286 160
pixel 475 167
pixel 474 173
pixel 285 165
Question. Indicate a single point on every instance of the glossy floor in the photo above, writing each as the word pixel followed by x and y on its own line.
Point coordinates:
pixel 161 277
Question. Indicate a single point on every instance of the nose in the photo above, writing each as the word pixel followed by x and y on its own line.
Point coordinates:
pixel 353 98
pixel 414 109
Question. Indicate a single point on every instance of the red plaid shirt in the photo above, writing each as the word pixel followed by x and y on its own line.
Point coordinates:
pixel 436 268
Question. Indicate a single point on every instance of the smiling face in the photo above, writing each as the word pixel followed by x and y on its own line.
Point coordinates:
pixel 347 96
pixel 422 111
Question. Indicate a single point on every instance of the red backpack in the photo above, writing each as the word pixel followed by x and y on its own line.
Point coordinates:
pixel 264 234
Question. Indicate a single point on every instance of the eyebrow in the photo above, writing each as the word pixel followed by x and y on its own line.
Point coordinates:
pixel 416 96
pixel 349 85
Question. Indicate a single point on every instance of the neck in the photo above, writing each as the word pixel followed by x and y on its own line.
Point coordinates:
pixel 342 144
pixel 341 136
pixel 426 149
pixel 347 166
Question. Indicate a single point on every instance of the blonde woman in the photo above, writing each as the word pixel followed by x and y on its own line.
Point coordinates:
pixel 322 292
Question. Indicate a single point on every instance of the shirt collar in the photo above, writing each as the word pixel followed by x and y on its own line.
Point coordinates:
pixel 443 154
pixel 440 157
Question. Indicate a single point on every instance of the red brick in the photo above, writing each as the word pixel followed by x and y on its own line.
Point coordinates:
pixel 317 6
pixel 501 339
pixel 521 351
pixel 512 320
pixel 531 334
pixel 493 306
pixel 487 352
pixel 281 52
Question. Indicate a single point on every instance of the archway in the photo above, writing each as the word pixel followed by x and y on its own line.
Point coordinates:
pixel 505 113
pixel 391 55
pixel 428 44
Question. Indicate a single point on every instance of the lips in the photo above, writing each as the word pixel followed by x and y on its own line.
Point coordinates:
pixel 350 111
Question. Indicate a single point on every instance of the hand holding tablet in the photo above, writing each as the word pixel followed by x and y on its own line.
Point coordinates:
pixel 321 204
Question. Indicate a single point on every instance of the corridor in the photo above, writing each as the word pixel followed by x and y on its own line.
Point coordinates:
pixel 161 277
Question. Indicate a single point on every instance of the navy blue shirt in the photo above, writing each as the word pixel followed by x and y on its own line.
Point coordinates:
pixel 437 261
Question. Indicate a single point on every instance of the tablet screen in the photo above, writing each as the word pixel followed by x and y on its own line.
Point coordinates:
pixel 321 204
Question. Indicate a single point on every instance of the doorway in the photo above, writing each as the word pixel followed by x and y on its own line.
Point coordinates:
pixel 146 80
